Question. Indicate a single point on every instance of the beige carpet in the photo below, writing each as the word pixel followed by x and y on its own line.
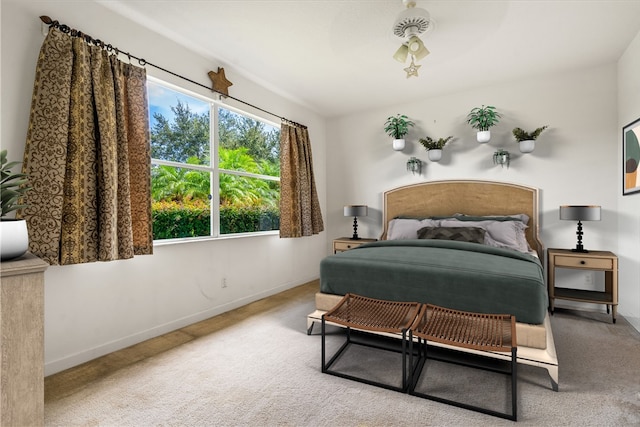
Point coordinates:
pixel 256 366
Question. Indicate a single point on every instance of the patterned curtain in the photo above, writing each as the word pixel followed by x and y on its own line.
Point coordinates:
pixel 87 155
pixel 299 207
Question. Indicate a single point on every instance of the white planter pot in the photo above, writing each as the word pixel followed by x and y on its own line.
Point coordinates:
pixel 434 155
pixel 527 146
pixel 483 136
pixel 14 238
pixel 398 144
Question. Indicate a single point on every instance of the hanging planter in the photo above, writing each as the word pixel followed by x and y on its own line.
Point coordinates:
pixel 397 127
pixel 483 136
pixel 527 146
pixel 434 148
pixel 527 140
pixel 434 154
pixel 398 144
pixel 414 165
pixel 483 118
pixel 501 157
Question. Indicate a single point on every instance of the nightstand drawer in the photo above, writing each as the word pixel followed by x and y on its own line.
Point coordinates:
pixel 344 246
pixel 586 262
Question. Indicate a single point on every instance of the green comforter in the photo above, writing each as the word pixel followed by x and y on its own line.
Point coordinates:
pixel 458 275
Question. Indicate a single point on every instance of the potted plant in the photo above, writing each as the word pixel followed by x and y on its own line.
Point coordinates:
pixel 13 186
pixel 397 127
pixel 434 147
pixel 481 119
pixel 501 157
pixel 414 165
pixel 527 140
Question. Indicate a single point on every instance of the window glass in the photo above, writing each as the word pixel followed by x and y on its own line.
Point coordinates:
pixel 249 153
pixel 254 139
pixel 179 125
pixel 181 204
pixel 248 205
pixel 182 147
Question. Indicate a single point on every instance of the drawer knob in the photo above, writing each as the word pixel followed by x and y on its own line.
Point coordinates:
pixel 349 246
pixel 583 262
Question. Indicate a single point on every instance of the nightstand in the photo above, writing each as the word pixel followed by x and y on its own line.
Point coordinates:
pixel 342 244
pixel 592 260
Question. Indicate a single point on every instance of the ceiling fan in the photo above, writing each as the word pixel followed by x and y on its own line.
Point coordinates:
pixel 409 25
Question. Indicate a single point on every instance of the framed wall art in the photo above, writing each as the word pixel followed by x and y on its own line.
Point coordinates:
pixel 630 158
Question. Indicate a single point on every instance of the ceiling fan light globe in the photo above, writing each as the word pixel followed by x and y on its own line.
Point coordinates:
pixel 416 48
pixel 414 45
pixel 421 53
pixel 401 54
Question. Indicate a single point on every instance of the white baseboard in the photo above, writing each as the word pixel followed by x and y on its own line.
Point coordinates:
pixel 76 359
pixel 634 321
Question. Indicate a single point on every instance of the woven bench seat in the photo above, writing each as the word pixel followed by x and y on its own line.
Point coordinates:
pixel 370 315
pixel 477 331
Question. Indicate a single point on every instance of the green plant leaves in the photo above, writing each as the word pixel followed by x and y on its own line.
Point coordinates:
pixel 482 118
pixel 431 144
pixel 522 135
pixel 13 186
pixel 398 126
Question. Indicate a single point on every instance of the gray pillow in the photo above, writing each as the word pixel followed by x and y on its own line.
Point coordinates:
pixel 460 234
pixel 405 228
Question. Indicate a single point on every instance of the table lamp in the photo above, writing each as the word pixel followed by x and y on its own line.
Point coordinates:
pixel 580 213
pixel 355 211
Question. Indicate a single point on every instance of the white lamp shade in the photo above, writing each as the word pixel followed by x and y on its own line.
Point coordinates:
pixel 356 210
pixel 580 212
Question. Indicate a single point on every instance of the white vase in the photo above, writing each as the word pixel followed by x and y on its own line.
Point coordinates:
pixel 14 238
pixel 483 136
pixel 434 155
pixel 398 144
pixel 527 146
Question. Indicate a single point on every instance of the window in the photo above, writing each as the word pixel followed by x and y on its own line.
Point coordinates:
pixel 207 183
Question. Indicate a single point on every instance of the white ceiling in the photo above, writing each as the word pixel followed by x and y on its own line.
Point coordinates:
pixel 335 56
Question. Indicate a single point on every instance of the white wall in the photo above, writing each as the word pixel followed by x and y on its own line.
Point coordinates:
pixel 94 309
pixel 629 206
pixel 576 161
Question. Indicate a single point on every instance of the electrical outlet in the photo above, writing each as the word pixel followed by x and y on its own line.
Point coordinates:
pixel 223 283
pixel 588 278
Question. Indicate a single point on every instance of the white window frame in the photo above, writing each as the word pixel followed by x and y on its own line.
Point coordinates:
pixel 213 168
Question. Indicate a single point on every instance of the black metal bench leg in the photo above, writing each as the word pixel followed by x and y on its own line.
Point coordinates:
pixel 514 383
pixel 324 368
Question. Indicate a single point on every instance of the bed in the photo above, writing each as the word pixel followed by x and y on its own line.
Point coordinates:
pixel 463 244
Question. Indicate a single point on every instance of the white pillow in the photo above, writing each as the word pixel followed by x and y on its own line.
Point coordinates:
pixel 407 228
pixel 500 234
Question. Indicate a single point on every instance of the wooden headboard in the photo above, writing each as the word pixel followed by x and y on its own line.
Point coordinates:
pixel 471 197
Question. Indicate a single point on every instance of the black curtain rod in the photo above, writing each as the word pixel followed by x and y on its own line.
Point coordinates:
pixel 109 48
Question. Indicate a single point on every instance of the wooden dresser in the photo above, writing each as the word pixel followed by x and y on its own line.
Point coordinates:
pixel 22 341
